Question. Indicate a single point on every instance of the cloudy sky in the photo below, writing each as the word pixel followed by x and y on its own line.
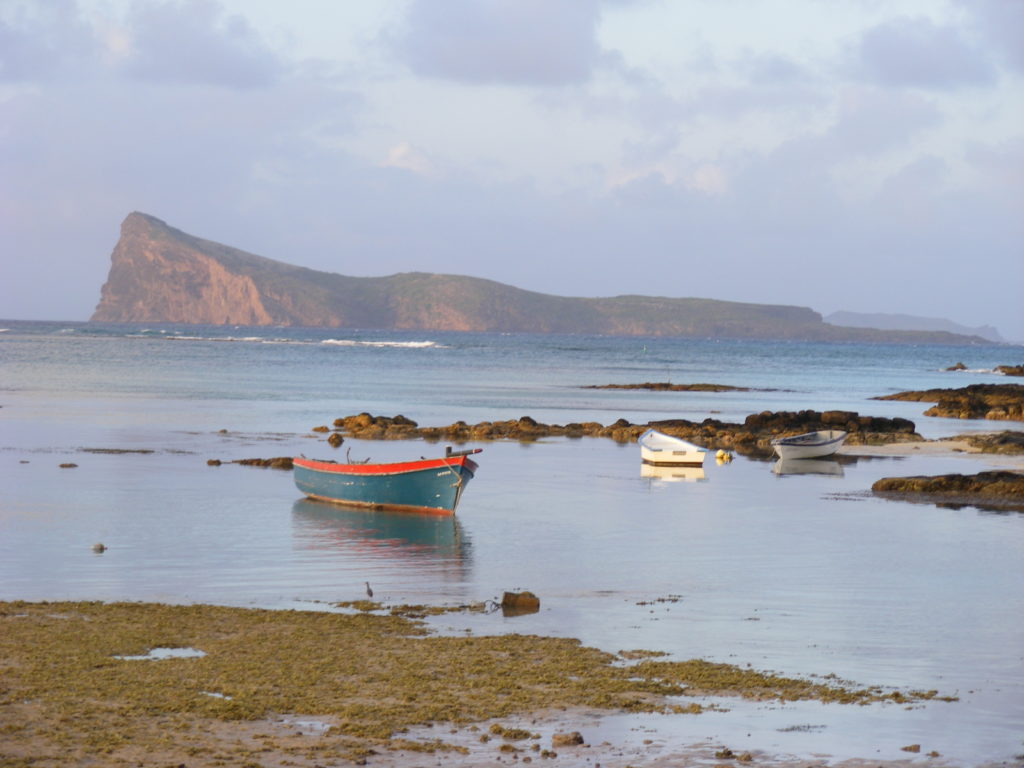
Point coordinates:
pixel 865 155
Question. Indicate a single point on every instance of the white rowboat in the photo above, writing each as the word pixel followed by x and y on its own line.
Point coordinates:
pixel 663 450
pixel 810 445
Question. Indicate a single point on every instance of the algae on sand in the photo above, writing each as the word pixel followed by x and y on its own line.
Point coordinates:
pixel 64 692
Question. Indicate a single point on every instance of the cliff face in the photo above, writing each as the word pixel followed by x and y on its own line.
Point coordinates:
pixel 160 274
pixel 155 275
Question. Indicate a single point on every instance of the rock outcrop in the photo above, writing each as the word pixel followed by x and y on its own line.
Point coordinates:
pixel 667 386
pixel 995 488
pixel 161 274
pixel 752 438
pixel 1007 442
pixel 998 402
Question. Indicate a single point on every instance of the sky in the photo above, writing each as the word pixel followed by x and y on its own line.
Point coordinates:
pixel 861 155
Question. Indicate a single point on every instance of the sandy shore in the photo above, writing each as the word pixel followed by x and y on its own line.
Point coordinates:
pixel 947 447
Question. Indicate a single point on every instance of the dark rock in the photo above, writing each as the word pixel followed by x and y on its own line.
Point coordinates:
pixel 280 462
pixel 1000 442
pixel 957 367
pixel 516 603
pixel 753 437
pixel 665 386
pixel 335 439
pixel 68 465
pixel 1011 370
pixel 213 462
pixel 977 401
pixel 570 739
pixel 1000 488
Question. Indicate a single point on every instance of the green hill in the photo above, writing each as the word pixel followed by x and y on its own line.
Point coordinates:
pixel 161 274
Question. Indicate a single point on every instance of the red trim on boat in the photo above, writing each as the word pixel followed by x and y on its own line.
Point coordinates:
pixel 385 469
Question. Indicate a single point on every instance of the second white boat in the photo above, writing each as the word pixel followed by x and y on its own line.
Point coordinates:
pixel 811 445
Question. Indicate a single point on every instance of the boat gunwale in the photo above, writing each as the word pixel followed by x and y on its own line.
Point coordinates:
pixel 796 441
pixel 394 468
pixel 671 440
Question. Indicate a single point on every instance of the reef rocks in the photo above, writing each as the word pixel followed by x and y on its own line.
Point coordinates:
pixel 996 488
pixel 566 739
pixel 1010 370
pixel 753 437
pixel 665 386
pixel 279 462
pixel 518 603
pixel 1000 402
pixel 996 442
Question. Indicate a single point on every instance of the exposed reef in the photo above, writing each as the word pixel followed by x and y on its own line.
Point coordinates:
pixel 665 386
pixel 1006 442
pixel 996 488
pixel 76 692
pixel 998 402
pixel 753 437
pixel 278 462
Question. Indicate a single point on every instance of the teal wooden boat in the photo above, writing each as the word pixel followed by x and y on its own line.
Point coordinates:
pixel 433 486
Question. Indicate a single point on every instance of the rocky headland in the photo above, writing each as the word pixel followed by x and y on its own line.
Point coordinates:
pixel 161 274
pixel 998 402
pixel 752 438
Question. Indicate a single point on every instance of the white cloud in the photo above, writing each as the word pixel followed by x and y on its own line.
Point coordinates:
pixel 709 179
pixel 408 158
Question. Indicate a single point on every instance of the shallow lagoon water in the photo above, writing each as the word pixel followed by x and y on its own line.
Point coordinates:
pixel 803 574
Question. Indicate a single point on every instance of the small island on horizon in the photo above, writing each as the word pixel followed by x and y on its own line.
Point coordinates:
pixel 161 274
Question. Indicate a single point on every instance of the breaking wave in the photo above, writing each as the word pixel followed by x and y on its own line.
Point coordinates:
pixel 356 343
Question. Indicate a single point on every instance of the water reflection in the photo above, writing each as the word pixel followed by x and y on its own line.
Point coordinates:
pixel 673 473
pixel 392 535
pixel 808 467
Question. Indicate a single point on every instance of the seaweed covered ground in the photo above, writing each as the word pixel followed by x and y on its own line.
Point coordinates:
pixel 306 688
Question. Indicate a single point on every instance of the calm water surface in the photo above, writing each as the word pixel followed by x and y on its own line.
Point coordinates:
pixel 804 574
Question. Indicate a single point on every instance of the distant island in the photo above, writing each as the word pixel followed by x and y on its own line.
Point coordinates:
pixel 161 274
pixel 900 322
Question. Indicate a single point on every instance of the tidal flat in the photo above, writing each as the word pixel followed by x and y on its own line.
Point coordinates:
pixel 286 687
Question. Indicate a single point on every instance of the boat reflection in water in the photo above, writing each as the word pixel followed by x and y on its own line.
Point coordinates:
pixel 808 467
pixel 674 474
pixel 382 539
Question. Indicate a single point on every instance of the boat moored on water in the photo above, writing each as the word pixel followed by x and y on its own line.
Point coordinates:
pixel 660 449
pixel 432 486
pixel 810 445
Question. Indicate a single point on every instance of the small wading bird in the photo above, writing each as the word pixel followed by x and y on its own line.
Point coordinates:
pixel 369 592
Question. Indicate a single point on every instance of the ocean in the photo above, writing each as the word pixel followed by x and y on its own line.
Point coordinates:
pixel 798 574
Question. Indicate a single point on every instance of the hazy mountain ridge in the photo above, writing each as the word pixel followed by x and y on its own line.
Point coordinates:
pixel 160 274
pixel 885 321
